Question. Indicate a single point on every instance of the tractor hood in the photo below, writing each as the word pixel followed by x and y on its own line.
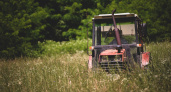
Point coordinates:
pixel 112 52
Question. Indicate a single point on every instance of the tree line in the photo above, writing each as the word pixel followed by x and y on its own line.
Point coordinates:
pixel 24 23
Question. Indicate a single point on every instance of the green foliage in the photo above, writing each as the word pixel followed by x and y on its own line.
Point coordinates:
pixel 66 72
pixel 107 41
pixel 50 47
pixel 159 22
pixel 130 39
pixel 156 14
pixel 20 27
pixel 27 22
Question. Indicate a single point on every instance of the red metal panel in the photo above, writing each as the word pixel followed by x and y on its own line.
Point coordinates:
pixel 90 57
pixel 145 58
pixel 112 52
pixel 90 62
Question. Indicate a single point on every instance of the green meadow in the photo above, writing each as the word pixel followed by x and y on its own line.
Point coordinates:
pixel 63 68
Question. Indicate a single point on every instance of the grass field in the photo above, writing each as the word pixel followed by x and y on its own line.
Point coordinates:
pixel 67 72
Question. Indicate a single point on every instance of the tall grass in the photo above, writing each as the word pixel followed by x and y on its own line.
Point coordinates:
pixel 68 72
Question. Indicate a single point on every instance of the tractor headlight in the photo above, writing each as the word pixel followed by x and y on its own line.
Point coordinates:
pixel 118 58
pixel 106 58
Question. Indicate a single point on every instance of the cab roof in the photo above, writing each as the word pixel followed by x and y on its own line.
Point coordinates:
pixel 116 15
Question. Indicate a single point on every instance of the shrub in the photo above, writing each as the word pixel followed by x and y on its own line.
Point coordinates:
pixel 52 48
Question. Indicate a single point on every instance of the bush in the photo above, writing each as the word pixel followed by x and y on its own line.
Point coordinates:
pixel 52 48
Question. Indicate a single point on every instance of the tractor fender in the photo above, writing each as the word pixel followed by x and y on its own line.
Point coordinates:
pixel 90 66
pixel 145 58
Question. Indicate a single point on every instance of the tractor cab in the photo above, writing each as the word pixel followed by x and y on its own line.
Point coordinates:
pixel 117 41
pixel 104 29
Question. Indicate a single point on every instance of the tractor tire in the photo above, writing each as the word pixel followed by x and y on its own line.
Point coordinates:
pixel 139 60
pixel 94 64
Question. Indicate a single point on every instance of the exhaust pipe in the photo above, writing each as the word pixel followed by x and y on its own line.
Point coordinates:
pixel 116 29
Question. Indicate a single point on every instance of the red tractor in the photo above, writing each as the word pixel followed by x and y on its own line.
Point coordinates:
pixel 117 42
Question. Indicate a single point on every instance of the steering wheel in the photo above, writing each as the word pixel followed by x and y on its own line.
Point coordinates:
pixel 107 33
